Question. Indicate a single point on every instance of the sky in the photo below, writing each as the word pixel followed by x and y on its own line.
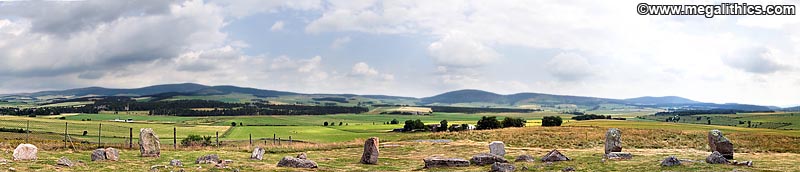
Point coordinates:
pixel 415 48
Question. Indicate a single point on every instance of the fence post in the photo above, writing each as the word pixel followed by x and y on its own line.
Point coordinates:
pixel 27 130
pixel 99 133
pixel 290 140
pixel 217 138
pixel 66 125
pixel 130 139
pixel 174 138
pixel 251 139
pixel 279 141
pixel 273 138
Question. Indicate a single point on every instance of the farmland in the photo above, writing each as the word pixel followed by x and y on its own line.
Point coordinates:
pixel 337 147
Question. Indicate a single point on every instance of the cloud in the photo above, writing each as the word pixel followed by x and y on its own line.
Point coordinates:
pixel 458 50
pixel 339 42
pixel 758 60
pixel 120 42
pixel 569 67
pixel 243 8
pixel 362 69
pixel 67 17
pixel 277 26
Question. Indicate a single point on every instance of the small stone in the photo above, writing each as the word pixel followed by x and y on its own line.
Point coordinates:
pixel 554 155
pixel 258 153
pixel 99 155
pixel 11 169
pixel 293 162
pixel 670 161
pixel 65 162
pixel 112 154
pixel 716 158
pixel 486 159
pixel 497 148
pixel 208 159
pixel 436 162
pixel 302 155
pixel 525 158
pixel 176 163
pixel 743 163
pixel 371 152
pixel 25 152
pixel 619 156
pixel 568 169
pixel 228 161
pixel 502 167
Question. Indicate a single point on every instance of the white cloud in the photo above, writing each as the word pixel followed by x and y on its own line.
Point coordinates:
pixel 340 42
pixel 362 69
pixel 277 26
pixel 459 50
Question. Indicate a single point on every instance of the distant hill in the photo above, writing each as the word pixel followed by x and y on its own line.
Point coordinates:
pixel 471 96
pixel 156 89
pixel 661 100
pixel 467 97
pixel 792 109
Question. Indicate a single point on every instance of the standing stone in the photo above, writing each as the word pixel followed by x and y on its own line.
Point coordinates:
pixel 554 155
pixel 208 159
pixel 112 154
pixel 176 163
pixel 497 148
pixel 25 152
pixel 502 167
pixel 149 145
pixel 258 153
pixel 525 158
pixel 99 155
pixel 613 143
pixel 65 162
pixel 435 162
pixel 718 142
pixel 486 159
pixel 370 155
pixel 716 158
pixel 670 161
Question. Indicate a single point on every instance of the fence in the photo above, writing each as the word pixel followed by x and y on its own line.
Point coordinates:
pixel 87 135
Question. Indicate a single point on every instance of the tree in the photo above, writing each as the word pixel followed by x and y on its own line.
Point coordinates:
pixel 709 122
pixel 233 124
pixel 394 121
pixel 340 123
pixel 411 125
pixel 240 124
pixel 486 123
pixel 513 122
pixel 325 124
pixel 464 127
pixel 442 125
pixel 551 121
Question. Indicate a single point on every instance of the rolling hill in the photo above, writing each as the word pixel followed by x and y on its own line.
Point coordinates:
pixel 467 97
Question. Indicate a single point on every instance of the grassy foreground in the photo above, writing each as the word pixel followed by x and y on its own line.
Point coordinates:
pixel 407 156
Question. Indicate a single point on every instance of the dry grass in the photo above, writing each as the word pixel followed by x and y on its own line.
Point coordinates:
pixel 593 137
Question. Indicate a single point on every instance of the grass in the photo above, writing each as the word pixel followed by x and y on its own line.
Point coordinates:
pixel 316 134
pixel 407 156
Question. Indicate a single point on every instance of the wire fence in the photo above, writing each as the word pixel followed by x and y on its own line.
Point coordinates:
pixel 86 135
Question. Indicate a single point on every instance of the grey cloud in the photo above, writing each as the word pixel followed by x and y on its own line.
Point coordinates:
pixel 569 67
pixel 67 17
pixel 755 60
pixel 119 43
